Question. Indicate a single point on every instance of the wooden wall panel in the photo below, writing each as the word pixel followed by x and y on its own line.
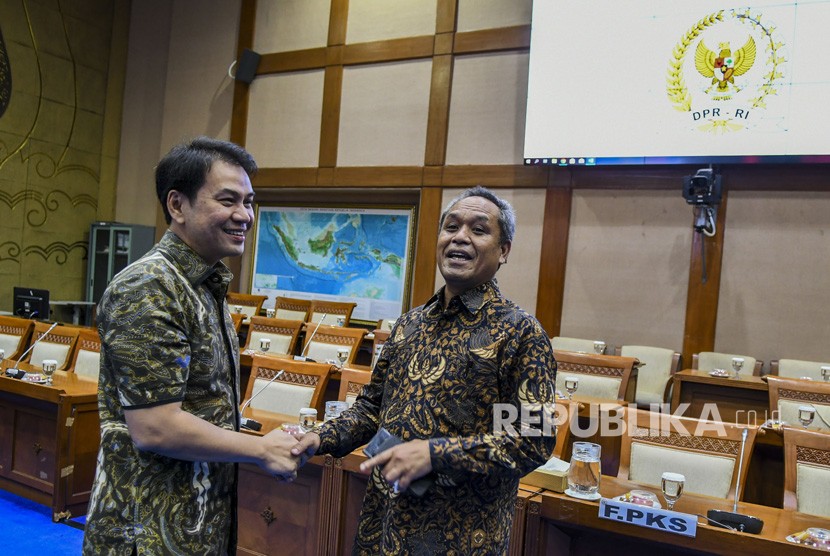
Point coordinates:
pixel 555 231
pixel 429 210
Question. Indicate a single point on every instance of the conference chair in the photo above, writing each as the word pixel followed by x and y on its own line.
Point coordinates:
pixel 351 383
pixel 386 324
pixel 237 321
pixel 87 357
pixel 797 368
pixel 330 311
pixel 575 344
pixel 381 336
pixel 302 384
pixel 657 365
pixel 282 333
pixel 707 453
pixel 322 342
pixel 711 360
pixel 786 395
pixel 250 304
pixel 57 345
pixel 14 336
pixel 806 471
pixel 608 377
pixel 290 308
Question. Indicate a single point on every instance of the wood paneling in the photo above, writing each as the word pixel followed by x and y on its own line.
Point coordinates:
pixel 292 61
pixel 429 211
pixel 555 232
pixel 492 40
pixel 330 125
pixel 439 111
pixel 445 17
pixel 389 51
pixel 495 176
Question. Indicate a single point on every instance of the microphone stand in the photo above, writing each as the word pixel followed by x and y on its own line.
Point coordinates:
pixel 247 422
pixel 15 372
pixel 303 356
pixel 734 520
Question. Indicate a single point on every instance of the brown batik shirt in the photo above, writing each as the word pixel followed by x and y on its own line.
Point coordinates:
pixel 167 336
pixel 438 377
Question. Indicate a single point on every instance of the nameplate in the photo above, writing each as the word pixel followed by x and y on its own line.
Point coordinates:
pixel 651 518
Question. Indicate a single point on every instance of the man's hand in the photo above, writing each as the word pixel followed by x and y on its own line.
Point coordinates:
pixel 307 446
pixel 402 464
pixel 279 459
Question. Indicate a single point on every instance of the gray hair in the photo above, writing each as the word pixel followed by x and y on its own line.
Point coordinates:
pixel 507 216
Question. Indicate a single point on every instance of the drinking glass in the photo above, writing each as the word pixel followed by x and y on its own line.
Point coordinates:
pixel 599 347
pixel 342 356
pixel 585 470
pixel 264 344
pixel 806 414
pixel 270 313
pixel 237 308
pixel 49 366
pixel 672 485
pixel 571 384
pixel 334 408
pixel 341 321
pixel 825 373
pixel 2 354
pixel 737 365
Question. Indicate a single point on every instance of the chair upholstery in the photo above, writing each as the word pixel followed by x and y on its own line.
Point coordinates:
pixel 610 377
pixel 711 360
pixel 323 341
pixel 57 345
pixel 290 308
pixel 87 358
pixel 329 311
pixel 797 368
pixel 806 471
pixel 14 335
pixel 351 383
pixel 657 365
pixel 237 321
pixel 787 394
pixel 301 385
pixel 282 333
pixel 251 304
pixel 706 452
pixel 381 336
pixel 572 344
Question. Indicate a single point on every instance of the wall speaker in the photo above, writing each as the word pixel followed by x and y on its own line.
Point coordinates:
pixel 246 68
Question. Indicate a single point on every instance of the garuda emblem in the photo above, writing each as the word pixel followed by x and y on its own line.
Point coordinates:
pixel 724 66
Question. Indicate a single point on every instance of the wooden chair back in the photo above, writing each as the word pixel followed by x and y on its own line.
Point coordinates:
pixel 289 308
pixel 806 471
pixel 706 452
pixel 14 336
pixel 86 360
pixel 386 324
pixel 381 336
pixel 250 305
pixel 302 384
pixel 329 311
pixel 797 368
pixel 657 365
pixel 609 377
pixel 237 321
pixel 58 344
pixel 282 333
pixel 786 395
pixel 322 342
pixel 352 382
pixel 711 360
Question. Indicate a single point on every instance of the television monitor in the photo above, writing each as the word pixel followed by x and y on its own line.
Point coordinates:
pixel 678 82
pixel 31 303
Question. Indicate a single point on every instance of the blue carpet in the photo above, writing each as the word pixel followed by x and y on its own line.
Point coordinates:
pixel 27 528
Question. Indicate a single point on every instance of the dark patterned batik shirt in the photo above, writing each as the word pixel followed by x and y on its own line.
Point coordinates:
pixel 439 376
pixel 167 336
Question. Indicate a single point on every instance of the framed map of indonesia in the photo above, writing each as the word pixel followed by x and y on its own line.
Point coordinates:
pixel 359 254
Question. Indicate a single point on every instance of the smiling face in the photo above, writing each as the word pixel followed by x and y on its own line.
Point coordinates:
pixel 215 222
pixel 469 250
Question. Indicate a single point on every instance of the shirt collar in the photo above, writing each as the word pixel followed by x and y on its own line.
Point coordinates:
pixel 191 263
pixel 472 300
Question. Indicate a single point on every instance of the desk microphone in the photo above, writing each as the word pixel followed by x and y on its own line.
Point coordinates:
pixel 246 422
pixel 17 373
pixel 734 520
pixel 302 356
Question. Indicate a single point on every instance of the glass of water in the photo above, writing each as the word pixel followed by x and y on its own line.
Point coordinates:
pixel 585 470
pixel 672 485
pixel 49 367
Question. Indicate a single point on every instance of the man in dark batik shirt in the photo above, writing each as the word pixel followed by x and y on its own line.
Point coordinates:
pixel 437 385
pixel 168 391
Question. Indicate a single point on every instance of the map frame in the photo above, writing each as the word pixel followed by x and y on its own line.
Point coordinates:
pixel 365 312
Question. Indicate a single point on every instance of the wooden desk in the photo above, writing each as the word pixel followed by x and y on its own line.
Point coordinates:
pixel 590 414
pixel 49 439
pixel 739 400
pixel 558 524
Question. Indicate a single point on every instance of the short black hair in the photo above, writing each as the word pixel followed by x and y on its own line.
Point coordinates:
pixel 507 216
pixel 186 166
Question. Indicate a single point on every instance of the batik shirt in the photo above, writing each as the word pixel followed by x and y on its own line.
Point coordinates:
pixel 439 377
pixel 167 336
